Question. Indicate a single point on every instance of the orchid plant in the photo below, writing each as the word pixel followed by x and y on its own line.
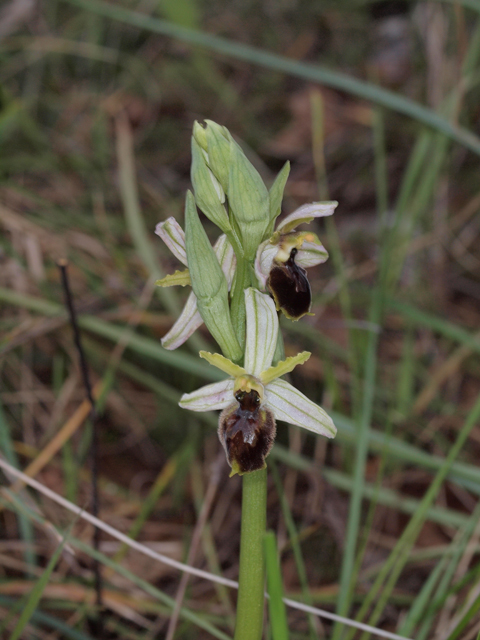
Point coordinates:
pixel 239 285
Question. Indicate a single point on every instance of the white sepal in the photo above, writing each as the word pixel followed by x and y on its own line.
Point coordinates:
pixel 263 262
pixel 310 254
pixel 226 257
pixel 217 186
pixel 290 405
pixel 306 213
pixel 187 323
pixel 174 237
pixel 216 396
pixel 262 331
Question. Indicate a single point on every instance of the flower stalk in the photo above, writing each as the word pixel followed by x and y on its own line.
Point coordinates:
pixel 237 307
pixel 251 582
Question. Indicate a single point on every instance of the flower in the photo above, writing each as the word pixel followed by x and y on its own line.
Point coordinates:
pixel 254 396
pixel 281 260
pixel 190 319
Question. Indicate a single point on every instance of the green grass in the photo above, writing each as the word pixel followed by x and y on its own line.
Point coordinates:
pixel 96 107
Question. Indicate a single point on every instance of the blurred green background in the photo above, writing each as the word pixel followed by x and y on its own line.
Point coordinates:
pixel 376 105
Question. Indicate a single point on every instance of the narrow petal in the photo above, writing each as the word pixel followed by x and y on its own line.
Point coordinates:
pixel 311 254
pixel 306 213
pixel 226 257
pixel 181 278
pixel 222 363
pixel 188 322
pixel 173 236
pixel 283 367
pixel 218 395
pixel 289 405
pixel 264 260
pixel 262 330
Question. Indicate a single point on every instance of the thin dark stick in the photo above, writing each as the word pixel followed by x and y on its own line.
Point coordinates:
pixel 62 265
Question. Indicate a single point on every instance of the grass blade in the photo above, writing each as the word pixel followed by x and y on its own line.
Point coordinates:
pixel 24 524
pixel 37 591
pixel 140 344
pixel 68 633
pixel 297 551
pixel 362 438
pixel 392 568
pixel 313 73
pixel 276 606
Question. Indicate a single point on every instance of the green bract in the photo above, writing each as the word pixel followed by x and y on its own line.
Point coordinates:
pixel 190 319
pixel 209 283
pixel 248 200
pixel 275 195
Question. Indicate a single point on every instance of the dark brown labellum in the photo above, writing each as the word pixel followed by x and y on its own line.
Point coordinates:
pixel 288 284
pixel 247 432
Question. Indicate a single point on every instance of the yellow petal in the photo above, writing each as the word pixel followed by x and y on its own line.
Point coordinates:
pixel 181 278
pixel 222 363
pixel 283 367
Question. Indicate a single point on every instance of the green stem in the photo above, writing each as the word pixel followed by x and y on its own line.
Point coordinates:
pixel 251 589
pixel 250 603
pixel 237 307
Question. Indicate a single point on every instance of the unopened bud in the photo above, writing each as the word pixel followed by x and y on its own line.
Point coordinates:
pixel 219 150
pixel 209 193
pixel 200 135
pixel 215 141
